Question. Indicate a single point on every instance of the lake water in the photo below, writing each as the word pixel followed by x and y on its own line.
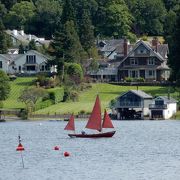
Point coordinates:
pixel 140 150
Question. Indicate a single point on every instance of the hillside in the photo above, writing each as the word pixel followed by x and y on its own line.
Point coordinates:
pixel 107 92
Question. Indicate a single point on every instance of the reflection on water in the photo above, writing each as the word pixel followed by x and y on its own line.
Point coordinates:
pixel 139 150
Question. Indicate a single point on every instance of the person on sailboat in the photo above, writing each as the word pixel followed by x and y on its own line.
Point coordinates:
pixel 83 132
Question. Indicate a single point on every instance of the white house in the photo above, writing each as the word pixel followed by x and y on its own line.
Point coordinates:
pixel 163 108
pixel 29 63
pixel 20 37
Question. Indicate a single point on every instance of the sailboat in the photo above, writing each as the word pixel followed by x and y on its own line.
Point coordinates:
pixel 95 122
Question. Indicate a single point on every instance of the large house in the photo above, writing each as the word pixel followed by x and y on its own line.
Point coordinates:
pixel 20 37
pixel 29 63
pixel 147 60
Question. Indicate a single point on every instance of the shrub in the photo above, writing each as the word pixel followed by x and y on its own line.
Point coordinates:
pixel 66 95
pixel 74 96
pixel 128 79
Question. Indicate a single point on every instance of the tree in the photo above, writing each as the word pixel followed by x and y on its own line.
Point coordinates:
pixel 113 18
pixel 3 40
pixel 68 13
pixel 4 86
pixel 148 17
pixel 19 15
pixel 175 50
pixel 30 96
pixel 21 49
pixel 32 45
pixel 75 72
pixel 47 17
pixel 86 31
pixel 8 3
pixel 66 46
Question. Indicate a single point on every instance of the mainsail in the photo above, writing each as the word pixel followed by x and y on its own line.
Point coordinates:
pixel 94 121
pixel 107 123
pixel 70 125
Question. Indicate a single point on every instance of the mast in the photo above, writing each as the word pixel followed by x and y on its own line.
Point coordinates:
pixel 107 123
pixel 94 121
pixel 70 125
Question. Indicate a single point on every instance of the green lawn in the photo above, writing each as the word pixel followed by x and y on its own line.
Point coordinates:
pixel 16 87
pixel 106 92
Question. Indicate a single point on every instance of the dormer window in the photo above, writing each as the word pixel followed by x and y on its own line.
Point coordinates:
pixel 151 61
pixel 133 61
pixel 30 59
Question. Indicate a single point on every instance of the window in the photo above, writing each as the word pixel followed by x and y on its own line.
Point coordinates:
pixel 151 73
pixel 1 64
pixel 30 59
pixel 133 73
pixel 151 61
pixel 133 61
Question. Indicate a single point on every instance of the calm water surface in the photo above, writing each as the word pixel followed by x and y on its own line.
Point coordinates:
pixel 140 150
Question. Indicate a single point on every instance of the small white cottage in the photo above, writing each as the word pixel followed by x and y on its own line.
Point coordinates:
pixel 162 108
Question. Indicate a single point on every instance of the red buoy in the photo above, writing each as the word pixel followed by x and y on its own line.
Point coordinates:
pixel 66 154
pixel 20 147
pixel 56 148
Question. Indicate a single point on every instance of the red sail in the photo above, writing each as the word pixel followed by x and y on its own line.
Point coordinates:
pixel 70 125
pixel 107 123
pixel 94 121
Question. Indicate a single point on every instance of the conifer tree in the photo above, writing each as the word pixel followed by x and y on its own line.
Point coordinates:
pixel 21 49
pixel 86 30
pixel 175 51
pixel 3 42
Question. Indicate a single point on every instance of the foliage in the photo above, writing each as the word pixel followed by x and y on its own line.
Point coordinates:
pixel 175 50
pixel 32 45
pixel 21 49
pixel 4 86
pixel 47 17
pixel 30 96
pixel 113 18
pixel 107 92
pixel 3 39
pixel 19 15
pixel 75 72
pixel 74 96
pixel 47 82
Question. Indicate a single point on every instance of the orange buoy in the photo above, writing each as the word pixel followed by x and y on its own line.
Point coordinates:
pixel 20 147
pixel 66 154
pixel 56 148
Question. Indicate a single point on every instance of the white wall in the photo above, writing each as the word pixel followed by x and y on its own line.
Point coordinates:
pixel 22 60
pixel 5 64
pixel 170 111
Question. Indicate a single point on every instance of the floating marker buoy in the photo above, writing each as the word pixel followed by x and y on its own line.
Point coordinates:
pixel 56 148
pixel 20 147
pixel 66 154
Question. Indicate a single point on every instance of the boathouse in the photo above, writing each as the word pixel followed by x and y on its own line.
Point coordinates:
pixel 163 107
pixel 133 104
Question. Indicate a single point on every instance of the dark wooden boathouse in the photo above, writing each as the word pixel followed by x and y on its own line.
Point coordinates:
pixel 133 104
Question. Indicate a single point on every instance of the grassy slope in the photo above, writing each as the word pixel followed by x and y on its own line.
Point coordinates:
pixel 107 92
pixel 16 87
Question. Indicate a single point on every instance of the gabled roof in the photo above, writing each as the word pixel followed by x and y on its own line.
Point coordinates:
pixel 14 57
pixel 139 93
pixel 148 46
pixel 166 99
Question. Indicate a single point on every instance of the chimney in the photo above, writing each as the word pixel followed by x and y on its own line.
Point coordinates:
pixel 22 32
pixel 15 32
pixel 125 47
pixel 30 37
pixel 155 43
